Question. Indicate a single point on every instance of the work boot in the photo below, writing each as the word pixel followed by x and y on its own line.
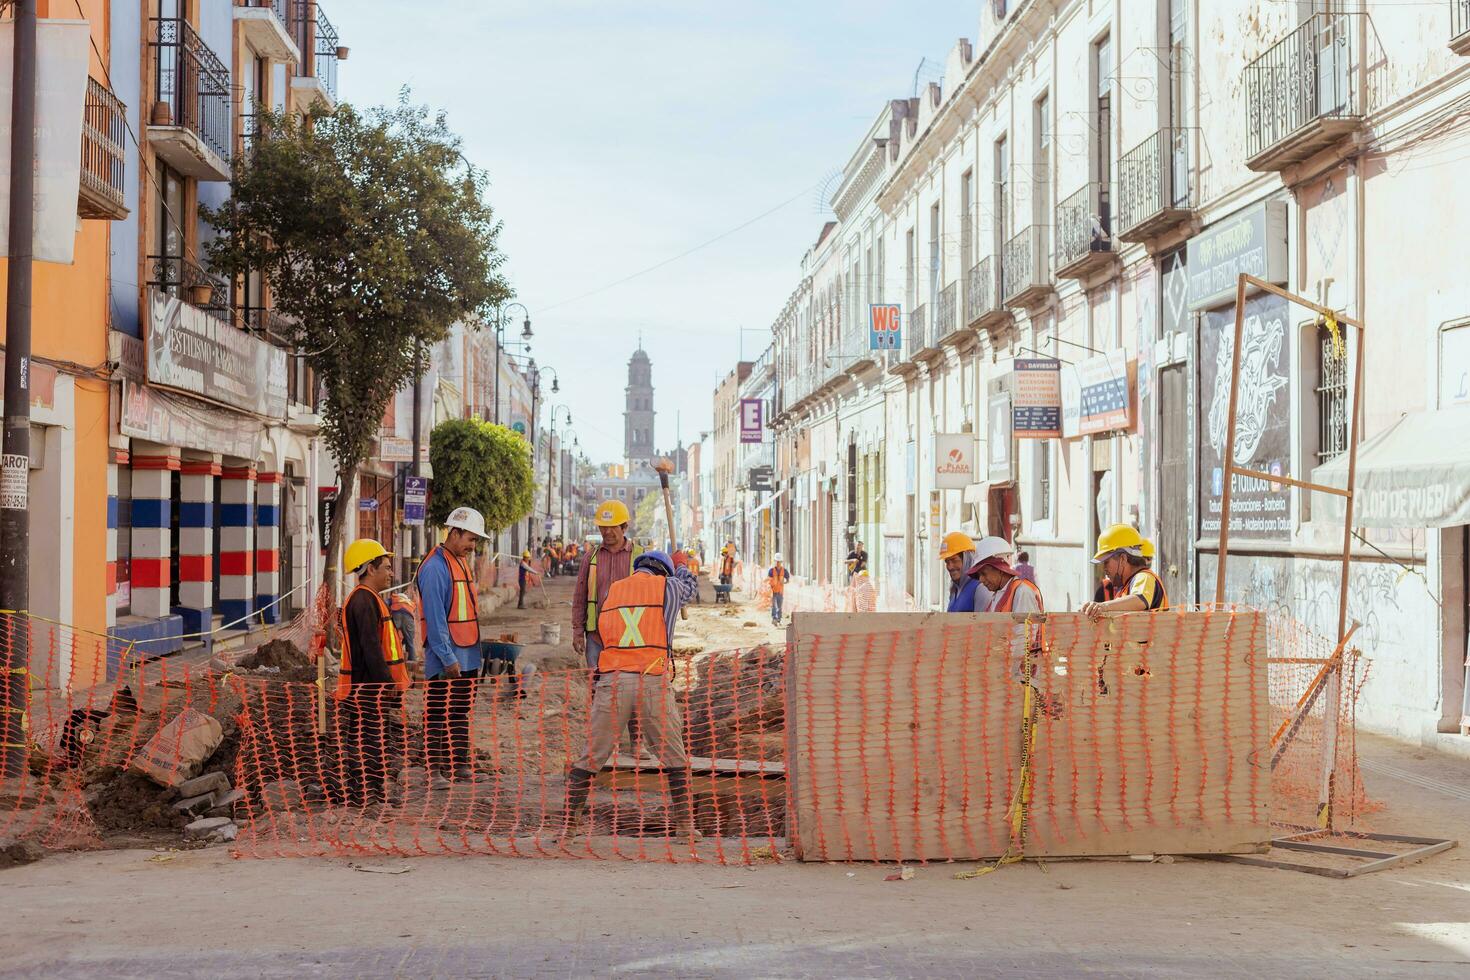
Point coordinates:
pixel 574 818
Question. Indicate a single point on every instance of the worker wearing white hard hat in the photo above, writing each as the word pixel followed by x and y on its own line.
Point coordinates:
pixel 778 576
pixel 450 620
pixel 1009 592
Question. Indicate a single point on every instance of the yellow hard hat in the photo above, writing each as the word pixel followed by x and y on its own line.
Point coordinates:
pixel 1147 548
pixel 362 551
pixel 955 543
pixel 611 513
pixel 1116 538
pixel 525 554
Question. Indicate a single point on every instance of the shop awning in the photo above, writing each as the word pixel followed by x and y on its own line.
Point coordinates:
pixel 1415 473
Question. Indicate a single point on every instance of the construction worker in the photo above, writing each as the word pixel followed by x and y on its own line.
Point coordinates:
pixel 1009 592
pixel 1105 588
pixel 691 561
pixel 449 616
pixel 609 563
pixel 779 576
pixel 957 552
pixel 523 573
pixel 373 674
pixel 727 564
pixel 405 614
pixel 635 625
pixel 1134 586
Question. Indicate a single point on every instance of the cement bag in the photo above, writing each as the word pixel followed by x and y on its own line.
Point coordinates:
pixel 178 750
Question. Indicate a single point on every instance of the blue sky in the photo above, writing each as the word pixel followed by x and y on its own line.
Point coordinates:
pixel 618 135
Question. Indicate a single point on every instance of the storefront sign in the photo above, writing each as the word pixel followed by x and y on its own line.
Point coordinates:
pixel 41 379
pixel 752 419
pixel 395 449
pixel 203 355
pixel 1036 407
pixel 415 499
pixel 1253 242
pixel 326 507
pixel 884 327
pixel 954 460
pixel 1102 394
pixel 762 478
pixel 148 413
pixel 126 351
pixel 367 503
pixel 998 438
pixel 1258 508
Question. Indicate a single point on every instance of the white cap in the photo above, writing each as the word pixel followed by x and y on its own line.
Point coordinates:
pixel 989 547
pixel 778 557
pixel 467 519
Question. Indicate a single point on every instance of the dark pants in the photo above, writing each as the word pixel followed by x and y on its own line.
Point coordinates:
pixel 521 593
pixel 363 730
pixel 447 724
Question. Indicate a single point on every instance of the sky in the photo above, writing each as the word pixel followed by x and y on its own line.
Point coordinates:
pixel 619 135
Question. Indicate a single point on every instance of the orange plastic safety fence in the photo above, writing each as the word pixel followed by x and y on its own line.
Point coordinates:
pixel 900 742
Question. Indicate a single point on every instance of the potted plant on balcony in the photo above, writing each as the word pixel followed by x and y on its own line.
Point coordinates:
pixel 200 293
pixel 342 50
pixel 162 115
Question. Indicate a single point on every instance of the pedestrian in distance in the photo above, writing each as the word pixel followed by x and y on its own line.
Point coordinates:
pixel 635 625
pixel 778 576
pixel 449 616
pixel 727 564
pixel 603 566
pixel 1024 568
pixel 1008 591
pixel 857 560
pixel 1132 586
pixel 373 674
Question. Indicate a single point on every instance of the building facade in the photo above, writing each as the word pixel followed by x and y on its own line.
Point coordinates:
pixel 1062 220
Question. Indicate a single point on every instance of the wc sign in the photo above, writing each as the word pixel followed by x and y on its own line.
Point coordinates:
pixel 883 327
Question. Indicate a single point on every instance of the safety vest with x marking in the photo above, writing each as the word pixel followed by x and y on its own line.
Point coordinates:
pixel 631 626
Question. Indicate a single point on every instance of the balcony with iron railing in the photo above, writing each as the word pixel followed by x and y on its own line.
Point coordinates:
pixel 318 79
pixel 1303 94
pixel 983 307
pixel 948 326
pixel 1460 26
pixel 266 26
pixel 104 137
pixel 184 278
pixel 1155 192
pixel 189 128
pixel 1085 232
pixel 1026 269
pixel 914 340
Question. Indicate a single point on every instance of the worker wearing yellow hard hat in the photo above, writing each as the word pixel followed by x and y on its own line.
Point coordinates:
pixel 1125 555
pixel 600 568
pixel 957 552
pixel 373 673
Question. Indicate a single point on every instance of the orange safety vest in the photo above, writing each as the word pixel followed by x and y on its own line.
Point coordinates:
pixel 591 621
pixel 1164 601
pixel 398 602
pixel 727 567
pixel 464 614
pixel 631 625
pixel 387 635
pixel 1008 595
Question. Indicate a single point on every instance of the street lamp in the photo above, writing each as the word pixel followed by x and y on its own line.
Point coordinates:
pixel 500 323
pixel 550 455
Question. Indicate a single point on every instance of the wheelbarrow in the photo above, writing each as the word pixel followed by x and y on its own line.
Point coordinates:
pixel 722 593
pixel 498 659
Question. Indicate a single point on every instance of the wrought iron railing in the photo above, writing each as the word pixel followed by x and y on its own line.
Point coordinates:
pixel 980 289
pixel 1306 76
pixel 1152 177
pixel 191 80
pixel 945 314
pixel 1084 224
pixel 916 339
pixel 185 278
pixel 1023 263
pixel 319 37
pixel 1459 19
pixel 104 136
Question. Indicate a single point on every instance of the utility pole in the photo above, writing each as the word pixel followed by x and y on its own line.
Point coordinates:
pixel 15 517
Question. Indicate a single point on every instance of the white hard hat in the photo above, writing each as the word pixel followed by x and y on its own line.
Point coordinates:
pixel 990 547
pixel 778 557
pixel 467 519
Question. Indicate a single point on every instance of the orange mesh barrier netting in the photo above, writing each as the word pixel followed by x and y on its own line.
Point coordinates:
pixel 892 735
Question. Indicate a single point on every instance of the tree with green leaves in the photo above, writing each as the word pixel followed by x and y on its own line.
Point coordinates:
pixel 374 236
pixel 481 465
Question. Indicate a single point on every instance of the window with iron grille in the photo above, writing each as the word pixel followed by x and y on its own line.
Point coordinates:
pixel 1043 480
pixel 1332 396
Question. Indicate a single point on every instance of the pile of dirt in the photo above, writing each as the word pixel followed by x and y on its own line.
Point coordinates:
pixel 734 704
pixel 281 659
pixel 124 802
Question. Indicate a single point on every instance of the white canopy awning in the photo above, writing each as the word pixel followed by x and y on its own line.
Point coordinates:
pixel 1415 473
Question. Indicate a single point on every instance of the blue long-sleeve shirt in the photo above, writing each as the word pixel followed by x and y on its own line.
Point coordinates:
pixel 679 588
pixel 963 599
pixel 436 592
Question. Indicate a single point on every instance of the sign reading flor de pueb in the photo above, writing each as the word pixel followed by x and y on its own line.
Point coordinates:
pixel 885 326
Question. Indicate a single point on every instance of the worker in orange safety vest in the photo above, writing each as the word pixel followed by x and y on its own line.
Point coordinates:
pixel 373 674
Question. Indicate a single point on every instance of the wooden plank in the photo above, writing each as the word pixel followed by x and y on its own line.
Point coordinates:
pixel 904 735
pixel 1289 481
